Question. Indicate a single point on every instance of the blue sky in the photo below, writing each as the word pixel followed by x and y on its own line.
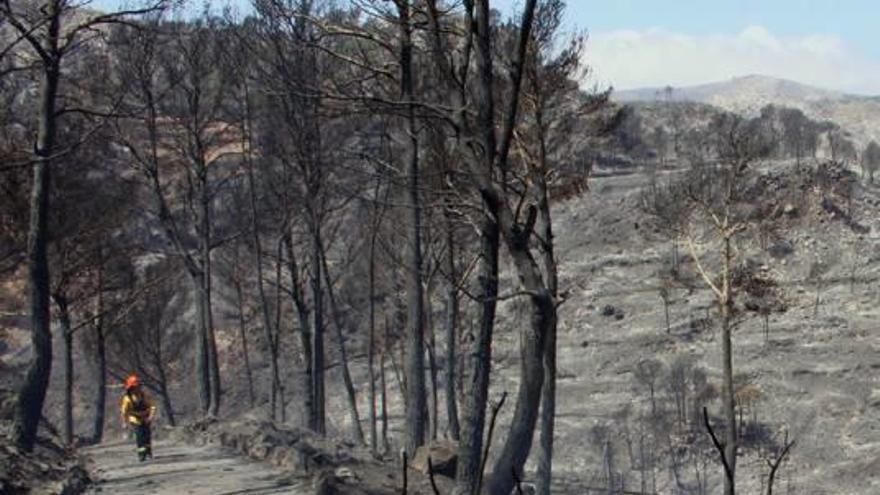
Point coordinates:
pixel 854 19
pixel 634 43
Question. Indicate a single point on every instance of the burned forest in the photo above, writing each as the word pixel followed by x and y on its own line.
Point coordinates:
pixel 424 247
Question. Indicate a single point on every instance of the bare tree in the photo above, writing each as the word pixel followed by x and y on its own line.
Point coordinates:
pixel 290 73
pixel 100 353
pixel 716 205
pixel 550 101
pixel 816 274
pixel 507 215
pixel 88 210
pixel 776 461
pixel 377 211
pixel 800 134
pixel 870 161
pixel 647 372
pixel 416 403
pixel 339 323
pixel 257 248
pixel 666 296
pixel 234 271
pixel 46 32
pixel 147 340
pixel 841 145
pixel 452 326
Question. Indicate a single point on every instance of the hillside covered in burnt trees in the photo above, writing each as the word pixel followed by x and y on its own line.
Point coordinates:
pixel 344 238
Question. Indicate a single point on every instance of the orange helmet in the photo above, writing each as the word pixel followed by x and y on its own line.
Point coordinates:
pixel 132 382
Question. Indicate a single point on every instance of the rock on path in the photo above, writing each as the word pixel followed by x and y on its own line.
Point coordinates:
pixel 179 469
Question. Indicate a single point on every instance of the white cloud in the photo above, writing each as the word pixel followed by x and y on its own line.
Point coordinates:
pixel 655 57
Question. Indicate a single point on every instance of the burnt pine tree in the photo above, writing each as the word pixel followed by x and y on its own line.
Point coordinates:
pixel 552 102
pixel 291 136
pixel 146 339
pixel 489 167
pixel 176 90
pixel 416 400
pixel 487 154
pixel 83 222
pixel 46 31
pixel 478 362
pixel 870 161
pixel 714 207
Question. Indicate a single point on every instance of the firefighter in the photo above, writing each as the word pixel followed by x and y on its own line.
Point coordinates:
pixel 137 413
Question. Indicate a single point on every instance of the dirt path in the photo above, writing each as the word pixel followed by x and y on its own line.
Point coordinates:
pixel 182 469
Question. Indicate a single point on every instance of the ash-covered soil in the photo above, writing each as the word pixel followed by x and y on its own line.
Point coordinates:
pixel 813 376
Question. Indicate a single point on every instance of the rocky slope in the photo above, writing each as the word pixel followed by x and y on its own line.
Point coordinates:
pixel 50 469
pixel 812 376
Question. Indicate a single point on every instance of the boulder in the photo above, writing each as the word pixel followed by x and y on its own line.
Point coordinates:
pixel 444 458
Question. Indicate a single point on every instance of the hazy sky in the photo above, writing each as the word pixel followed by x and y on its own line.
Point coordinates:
pixel 636 43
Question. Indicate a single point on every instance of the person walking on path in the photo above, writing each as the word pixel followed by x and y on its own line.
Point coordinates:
pixel 137 413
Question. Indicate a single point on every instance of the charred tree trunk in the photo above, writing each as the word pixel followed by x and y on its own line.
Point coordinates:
pixel 416 404
pixel 729 403
pixel 509 463
pixel 194 267
pixel 319 421
pixel 32 394
pixel 164 395
pixel 665 296
pixel 432 357
pixel 432 368
pixel 456 93
pixel 100 403
pixel 774 464
pixel 730 446
pixel 211 341
pixel 274 379
pixel 242 333
pixel 454 431
pixel 469 470
pixel 246 125
pixel 476 389
pixel 207 352
pixel 305 333
pixel 386 446
pixel 519 440
pixel 213 359
pixel 158 381
pixel 371 345
pixel 548 391
pixel 356 430
pixel 201 348
pixel 64 329
pixel 276 342
pixel 201 345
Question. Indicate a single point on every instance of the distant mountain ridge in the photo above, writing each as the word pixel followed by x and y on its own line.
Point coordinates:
pixel 860 115
pixel 746 92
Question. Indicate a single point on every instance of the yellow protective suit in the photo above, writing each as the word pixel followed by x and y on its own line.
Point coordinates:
pixel 136 409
